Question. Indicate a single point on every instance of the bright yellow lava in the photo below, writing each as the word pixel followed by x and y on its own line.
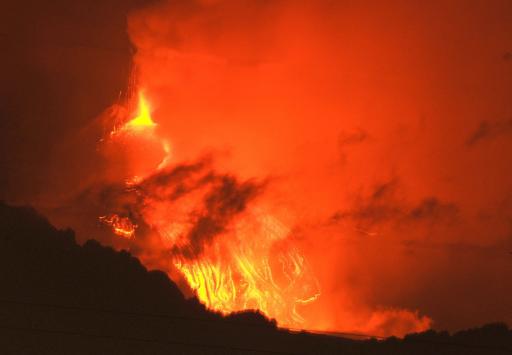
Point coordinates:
pixel 143 118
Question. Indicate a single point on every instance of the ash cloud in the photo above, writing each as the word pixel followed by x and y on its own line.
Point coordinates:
pixel 226 198
pixel 225 201
pixel 349 139
pixel 223 198
pixel 384 206
pixel 352 137
pixel 488 130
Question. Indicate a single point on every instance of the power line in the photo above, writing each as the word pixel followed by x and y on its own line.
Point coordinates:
pixel 415 340
pixel 187 318
pixel 135 314
pixel 144 340
pixel 339 334
pixel 245 323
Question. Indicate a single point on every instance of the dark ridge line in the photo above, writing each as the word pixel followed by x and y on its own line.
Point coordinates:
pixel 297 331
pixel 267 325
pixel 144 340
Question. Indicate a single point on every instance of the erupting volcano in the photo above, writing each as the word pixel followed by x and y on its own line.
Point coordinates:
pixel 338 167
pixel 235 256
pixel 212 172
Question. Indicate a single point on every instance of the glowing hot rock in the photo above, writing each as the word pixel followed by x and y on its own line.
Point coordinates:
pixel 143 119
pixel 121 226
pixel 232 253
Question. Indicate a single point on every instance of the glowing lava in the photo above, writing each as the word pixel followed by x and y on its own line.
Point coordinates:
pixel 121 226
pixel 209 226
pixel 143 119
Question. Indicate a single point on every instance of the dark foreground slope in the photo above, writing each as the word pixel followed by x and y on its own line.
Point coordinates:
pixel 61 298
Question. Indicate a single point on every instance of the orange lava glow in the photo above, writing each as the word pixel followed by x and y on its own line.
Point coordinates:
pixel 121 226
pixel 250 275
pixel 143 119
pixel 252 160
pixel 250 265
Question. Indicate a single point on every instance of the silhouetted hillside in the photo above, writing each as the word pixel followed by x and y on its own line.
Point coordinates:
pixel 61 298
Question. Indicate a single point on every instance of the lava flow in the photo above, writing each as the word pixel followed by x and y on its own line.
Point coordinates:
pixel 212 228
pixel 121 226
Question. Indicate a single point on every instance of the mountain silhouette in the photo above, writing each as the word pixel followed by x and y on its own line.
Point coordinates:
pixel 59 297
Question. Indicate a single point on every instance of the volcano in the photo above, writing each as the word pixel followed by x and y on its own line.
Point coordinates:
pixel 324 168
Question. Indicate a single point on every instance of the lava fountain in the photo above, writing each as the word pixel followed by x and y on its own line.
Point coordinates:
pixel 211 227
